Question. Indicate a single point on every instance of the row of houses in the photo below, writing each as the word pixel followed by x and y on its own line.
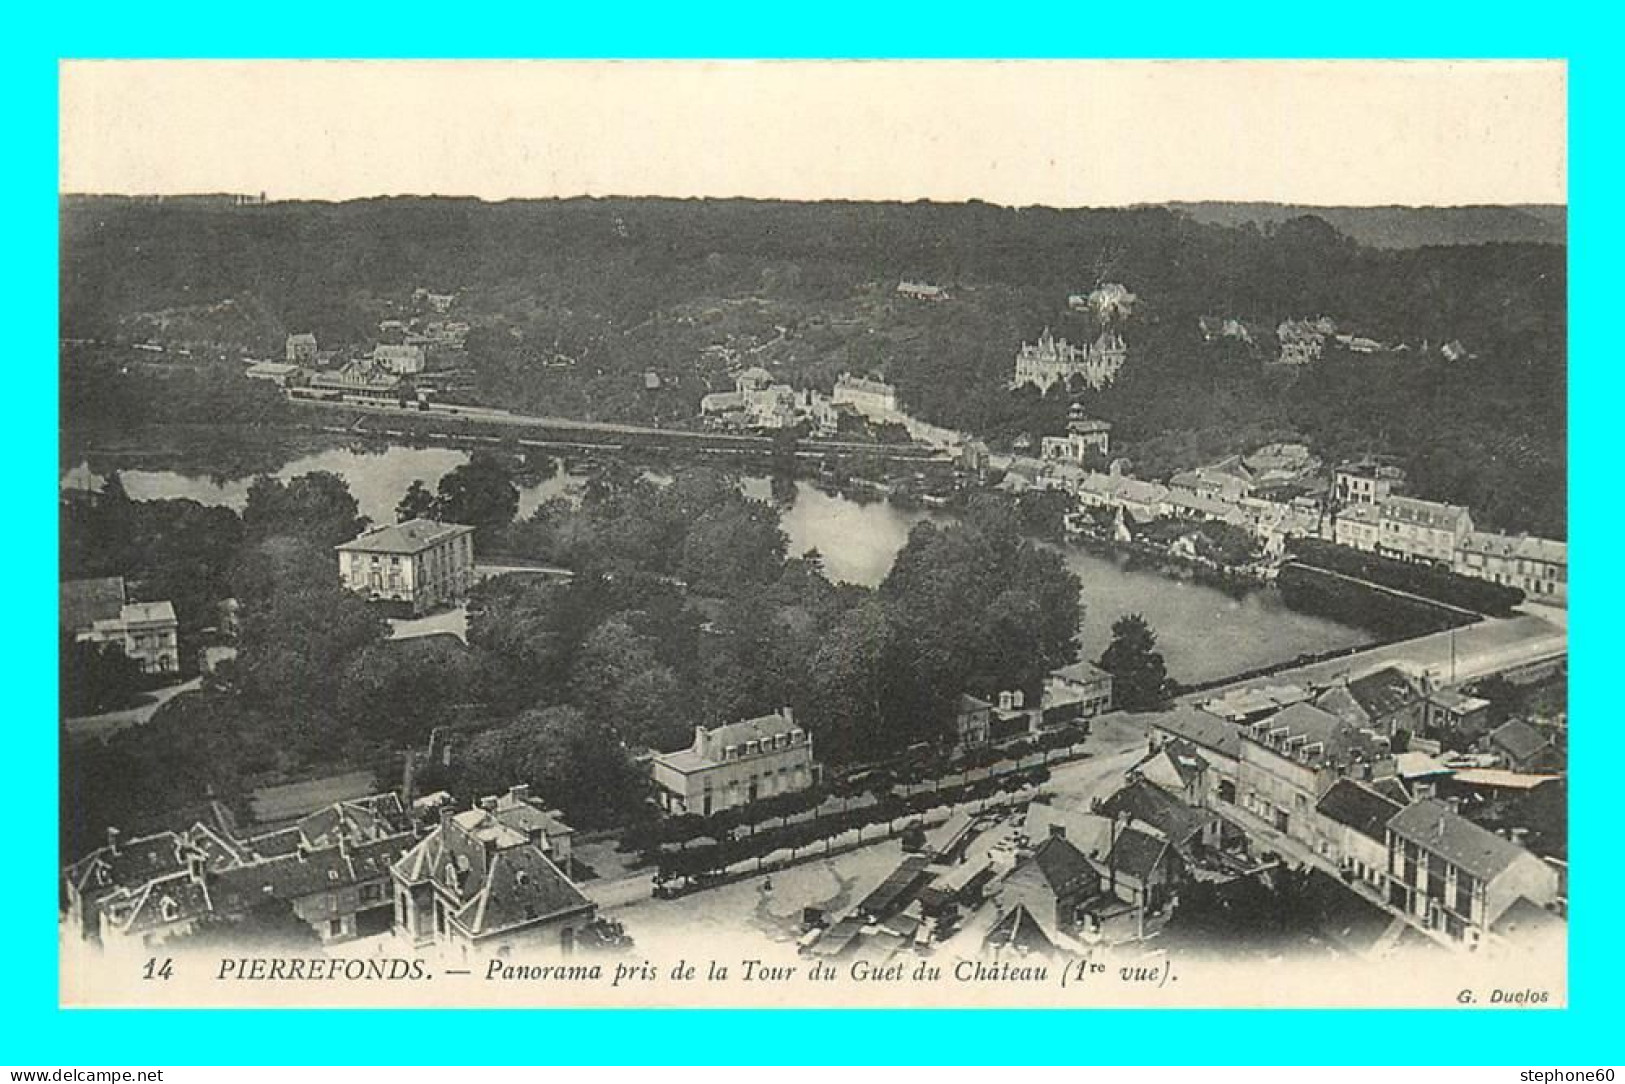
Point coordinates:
pixel 1321 778
pixel 1443 535
pixel 482 879
pixel 733 765
pixel 1274 493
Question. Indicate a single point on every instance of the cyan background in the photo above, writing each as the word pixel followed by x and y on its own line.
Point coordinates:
pixel 34 1031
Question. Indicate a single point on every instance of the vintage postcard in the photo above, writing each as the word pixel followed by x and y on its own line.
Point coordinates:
pixel 962 534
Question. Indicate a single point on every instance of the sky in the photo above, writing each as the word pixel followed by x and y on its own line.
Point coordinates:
pixel 1056 133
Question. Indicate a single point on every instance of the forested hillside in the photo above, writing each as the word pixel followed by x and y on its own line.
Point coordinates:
pixel 571 302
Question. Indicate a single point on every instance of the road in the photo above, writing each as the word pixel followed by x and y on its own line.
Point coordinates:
pixel 100 726
pixel 1115 743
pixel 1456 656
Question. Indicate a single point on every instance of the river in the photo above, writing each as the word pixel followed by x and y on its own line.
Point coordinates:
pixel 1205 634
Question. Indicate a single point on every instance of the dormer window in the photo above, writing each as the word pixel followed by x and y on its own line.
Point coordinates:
pixel 169 909
pixel 752 747
pixel 730 752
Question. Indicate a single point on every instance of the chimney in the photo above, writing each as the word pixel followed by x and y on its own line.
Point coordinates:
pixel 699 740
pixel 519 792
pixel 196 866
pixel 344 847
pixel 489 803
pixel 445 814
pixel 303 851
pixel 112 839
pixel 788 716
pixel 1019 698
pixel 1005 701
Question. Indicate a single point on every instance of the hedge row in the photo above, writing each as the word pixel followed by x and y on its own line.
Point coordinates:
pixel 1439 584
pixel 713 858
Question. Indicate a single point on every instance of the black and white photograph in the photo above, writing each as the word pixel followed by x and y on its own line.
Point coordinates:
pixel 813 533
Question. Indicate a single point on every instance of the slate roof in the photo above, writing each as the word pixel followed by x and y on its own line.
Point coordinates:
pixel 161 902
pixel 1430 514
pixel 1315 726
pixel 82 603
pixel 1520 740
pixel 495 878
pixel 134 862
pixel 294 876
pixel 521 886
pixel 1090 833
pixel 1064 867
pixel 413 536
pixel 1359 807
pixel 1144 801
pixel 1385 691
pixel 1137 853
pixel 359 820
pixel 1202 730
pixel 1020 931
pixel 1543 550
pixel 1081 673
pixel 1438 829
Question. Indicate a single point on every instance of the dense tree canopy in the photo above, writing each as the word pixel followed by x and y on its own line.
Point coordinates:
pixel 573 301
pixel 1139 677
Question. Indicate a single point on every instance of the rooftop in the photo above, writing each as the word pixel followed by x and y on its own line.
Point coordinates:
pixel 1420 513
pixel 1522 547
pixel 1519 739
pixel 413 536
pixel 1082 672
pixel 147 613
pixel 1440 830
pixel 1202 730
pixel 1358 807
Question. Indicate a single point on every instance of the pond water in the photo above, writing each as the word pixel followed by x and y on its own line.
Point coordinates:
pixel 1205 633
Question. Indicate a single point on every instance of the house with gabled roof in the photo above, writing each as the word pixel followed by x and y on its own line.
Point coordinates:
pixel 332 867
pixel 1353 830
pixel 1384 701
pixel 1455 880
pixel 341 890
pixel 735 764
pixel 1413 529
pixel 1140 801
pixel 1290 759
pixel 411 567
pixel 1055 884
pixel 1523 747
pixel 481 882
pixel 1217 740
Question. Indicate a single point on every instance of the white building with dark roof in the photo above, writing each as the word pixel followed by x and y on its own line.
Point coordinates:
pixel 1412 529
pixel 95 612
pixel 735 764
pixel 485 879
pixel 1539 567
pixel 415 566
pixel 1455 880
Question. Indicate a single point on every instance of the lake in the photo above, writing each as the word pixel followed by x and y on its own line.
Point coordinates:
pixel 1205 633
